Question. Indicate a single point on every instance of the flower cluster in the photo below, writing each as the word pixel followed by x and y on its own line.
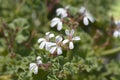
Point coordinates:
pixel 55 43
pixel 55 47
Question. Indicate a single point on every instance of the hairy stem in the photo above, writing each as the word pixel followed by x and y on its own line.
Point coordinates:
pixel 111 51
pixel 69 55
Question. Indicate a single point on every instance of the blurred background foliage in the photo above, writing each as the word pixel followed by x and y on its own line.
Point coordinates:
pixel 22 22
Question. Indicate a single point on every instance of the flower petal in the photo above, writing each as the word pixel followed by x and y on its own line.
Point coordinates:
pixel 85 21
pixel 39 62
pixel 65 41
pixel 58 38
pixel 71 46
pixel 58 11
pixel 52 50
pixel 42 45
pixel 61 12
pixel 33 67
pixel 48 45
pixel 64 15
pixel 54 22
pixel 82 9
pixel 89 16
pixel 36 70
pixel 116 34
pixel 47 33
pixel 51 44
pixel 51 35
pixel 40 40
pixel 67 32
pixel 76 38
pixel 59 50
pixel 59 26
pixel 38 58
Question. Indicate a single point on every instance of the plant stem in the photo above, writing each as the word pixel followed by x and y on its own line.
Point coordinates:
pixel 111 51
pixel 69 55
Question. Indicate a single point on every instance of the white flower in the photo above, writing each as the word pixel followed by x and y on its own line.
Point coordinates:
pixel 61 12
pixel 56 47
pixel 116 33
pixel 34 66
pixel 56 21
pixel 70 38
pixel 87 16
pixel 38 60
pixel 85 21
pixel 45 41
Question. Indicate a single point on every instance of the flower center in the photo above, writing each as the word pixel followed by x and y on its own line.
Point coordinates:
pixel 70 37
